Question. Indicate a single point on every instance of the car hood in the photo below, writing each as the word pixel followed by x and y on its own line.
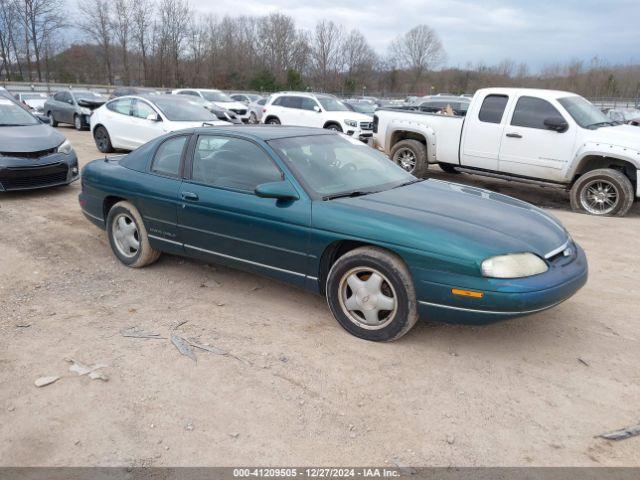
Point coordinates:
pixel 30 138
pixel 449 219
pixel 350 115
pixel 627 136
pixel 232 105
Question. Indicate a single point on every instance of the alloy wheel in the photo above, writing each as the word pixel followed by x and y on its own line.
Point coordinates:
pixel 367 298
pixel 599 197
pixel 406 159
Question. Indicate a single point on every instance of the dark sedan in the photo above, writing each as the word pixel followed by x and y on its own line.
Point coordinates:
pixel 325 212
pixel 32 154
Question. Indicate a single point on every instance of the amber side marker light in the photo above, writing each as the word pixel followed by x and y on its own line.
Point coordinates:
pixel 467 293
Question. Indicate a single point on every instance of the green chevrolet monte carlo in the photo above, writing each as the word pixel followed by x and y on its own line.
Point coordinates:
pixel 327 213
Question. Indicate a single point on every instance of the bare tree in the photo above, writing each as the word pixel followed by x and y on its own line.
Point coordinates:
pixel 419 50
pixel 95 21
pixel 283 47
pixel 142 22
pixel 122 30
pixel 174 22
pixel 326 52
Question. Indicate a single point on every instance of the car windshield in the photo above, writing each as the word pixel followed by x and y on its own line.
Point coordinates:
pixel 363 108
pixel 216 96
pixel 178 110
pixel 585 113
pixel 33 96
pixel 337 165
pixel 12 115
pixel 332 104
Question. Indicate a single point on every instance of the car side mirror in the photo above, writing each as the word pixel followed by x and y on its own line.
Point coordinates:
pixel 557 124
pixel 44 119
pixel 153 118
pixel 317 108
pixel 282 190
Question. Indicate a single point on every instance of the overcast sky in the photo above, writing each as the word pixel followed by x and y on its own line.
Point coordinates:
pixel 537 32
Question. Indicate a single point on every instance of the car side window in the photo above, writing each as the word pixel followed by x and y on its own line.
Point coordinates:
pixel 166 161
pixel 294 102
pixel 122 106
pixel 492 109
pixel 59 97
pixel 531 112
pixel 189 92
pixel 262 102
pixel 69 98
pixel 308 104
pixel 233 163
pixel 143 109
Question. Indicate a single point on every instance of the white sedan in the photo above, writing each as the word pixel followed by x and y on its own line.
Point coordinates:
pixel 131 121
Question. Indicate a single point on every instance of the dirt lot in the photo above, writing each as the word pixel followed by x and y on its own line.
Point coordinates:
pixel 297 389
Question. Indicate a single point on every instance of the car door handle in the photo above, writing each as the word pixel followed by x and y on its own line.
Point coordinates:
pixel 190 196
pixel 514 135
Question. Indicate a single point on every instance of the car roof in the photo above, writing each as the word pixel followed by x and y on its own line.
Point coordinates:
pixel 268 132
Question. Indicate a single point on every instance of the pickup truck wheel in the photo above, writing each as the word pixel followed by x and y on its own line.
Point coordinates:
pixel 412 156
pixel 448 168
pixel 605 192
pixel 371 294
pixel 128 236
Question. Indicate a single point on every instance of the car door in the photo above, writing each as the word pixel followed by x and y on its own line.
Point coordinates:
pixel 117 121
pixel 529 148
pixel 310 113
pixel 64 108
pixel 158 196
pixel 143 127
pixel 222 219
pixel 482 132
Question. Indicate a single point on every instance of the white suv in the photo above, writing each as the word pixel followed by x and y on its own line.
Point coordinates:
pixel 218 98
pixel 316 110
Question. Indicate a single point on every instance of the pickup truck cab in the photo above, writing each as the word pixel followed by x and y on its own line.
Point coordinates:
pixel 537 136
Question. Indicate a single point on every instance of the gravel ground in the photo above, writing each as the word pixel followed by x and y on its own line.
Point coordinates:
pixel 295 388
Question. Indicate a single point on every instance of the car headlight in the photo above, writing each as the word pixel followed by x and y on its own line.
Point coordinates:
pixel 65 147
pixel 513 265
pixel 85 111
pixel 351 123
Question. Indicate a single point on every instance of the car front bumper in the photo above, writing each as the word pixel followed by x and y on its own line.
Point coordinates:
pixel 357 132
pixel 28 174
pixel 501 298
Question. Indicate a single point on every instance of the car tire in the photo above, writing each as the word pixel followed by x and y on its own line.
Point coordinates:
pixel 53 121
pixel 272 121
pixel 602 192
pixel 448 168
pixel 102 139
pixel 334 127
pixel 77 122
pixel 128 236
pixel 392 287
pixel 253 119
pixel 411 155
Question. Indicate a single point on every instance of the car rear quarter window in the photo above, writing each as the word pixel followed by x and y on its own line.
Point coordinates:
pixel 492 109
pixel 531 112
pixel 233 163
pixel 166 161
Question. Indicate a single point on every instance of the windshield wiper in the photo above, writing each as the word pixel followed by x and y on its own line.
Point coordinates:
pixel 600 124
pixel 355 193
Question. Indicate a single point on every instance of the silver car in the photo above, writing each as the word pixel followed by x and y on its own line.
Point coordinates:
pixel 73 107
pixel 255 110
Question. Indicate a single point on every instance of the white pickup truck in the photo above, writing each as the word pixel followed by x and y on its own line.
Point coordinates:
pixel 535 136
